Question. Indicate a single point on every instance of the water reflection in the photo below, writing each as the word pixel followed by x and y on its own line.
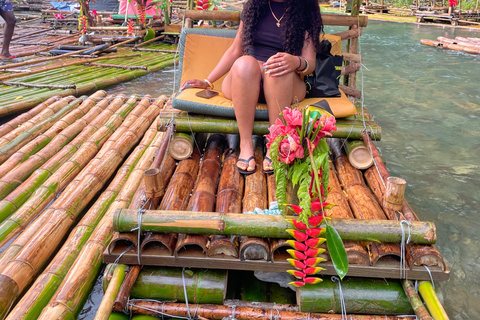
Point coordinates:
pixel 427 101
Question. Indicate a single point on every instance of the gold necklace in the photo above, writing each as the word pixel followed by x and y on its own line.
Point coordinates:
pixel 273 14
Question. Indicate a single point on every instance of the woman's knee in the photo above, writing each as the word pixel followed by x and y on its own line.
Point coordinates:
pixel 246 67
pixel 9 18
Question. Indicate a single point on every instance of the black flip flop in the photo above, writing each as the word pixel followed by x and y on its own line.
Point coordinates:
pixel 247 161
pixel 268 171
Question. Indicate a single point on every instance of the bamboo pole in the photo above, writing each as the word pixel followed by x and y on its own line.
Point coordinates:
pixel 114 197
pixel 15 199
pixel 328 19
pixel 229 199
pixel 181 146
pixel 105 308
pixel 82 274
pixel 162 283
pixel 17 275
pixel 66 173
pixel 218 312
pixel 255 196
pixel 417 305
pixel 360 295
pixel 434 306
pixel 265 226
pixel 124 292
pixel 261 127
pixel 26 116
pixel 58 130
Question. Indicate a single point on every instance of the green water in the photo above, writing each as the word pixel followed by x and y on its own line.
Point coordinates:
pixel 427 101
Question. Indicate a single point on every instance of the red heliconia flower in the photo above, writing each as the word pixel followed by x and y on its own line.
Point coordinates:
pixel 297 274
pixel 314 252
pixel 297 283
pixel 297 235
pixel 315 221
pixel 312 262
pixel 297 264
pixel 312 270
pixel 312 280
pixel 314 242
pixel 319 206
pixel 299 225
pixel 313 232
pixel 297 254
pixel 297 245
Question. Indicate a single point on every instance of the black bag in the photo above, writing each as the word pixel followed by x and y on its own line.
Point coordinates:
pixel 323 82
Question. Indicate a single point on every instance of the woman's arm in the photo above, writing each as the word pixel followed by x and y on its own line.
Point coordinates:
pixel 283 63
pixel 234 52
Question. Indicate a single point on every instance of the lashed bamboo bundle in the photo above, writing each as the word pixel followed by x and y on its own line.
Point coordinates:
pixel 20 195
pixel 362 201
pixel 218 312
pixel 356 252
pixel 48 111
pixel 117 195
pixel 86 79
pixel 451 46
pixel 66 173
pixel 205 189
pixel 376 177
pixel 82 274
pixel 16 276
pixel 32 133
pixel 72 119
pixel 26 116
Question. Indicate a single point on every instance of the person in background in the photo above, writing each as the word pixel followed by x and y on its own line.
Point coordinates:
pixel 274 48
pixel 6 11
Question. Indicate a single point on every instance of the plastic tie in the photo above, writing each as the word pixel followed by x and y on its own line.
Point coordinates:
pixel 403 266
pixel 343 309
pixel 139 232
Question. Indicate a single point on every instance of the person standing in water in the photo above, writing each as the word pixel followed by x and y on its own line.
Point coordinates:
pixel 6 11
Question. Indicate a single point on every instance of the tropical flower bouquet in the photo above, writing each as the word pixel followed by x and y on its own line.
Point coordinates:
pixel 299 154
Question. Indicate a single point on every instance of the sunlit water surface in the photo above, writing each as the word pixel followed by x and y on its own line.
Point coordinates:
pixel 427 101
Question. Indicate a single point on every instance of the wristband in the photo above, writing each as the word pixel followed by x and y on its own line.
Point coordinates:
pixel 300 60
pixel 209 84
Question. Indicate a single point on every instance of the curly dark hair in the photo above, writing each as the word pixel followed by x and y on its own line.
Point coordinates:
pixel 301 15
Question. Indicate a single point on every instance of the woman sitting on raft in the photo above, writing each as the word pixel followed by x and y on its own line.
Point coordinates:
pixel 274 48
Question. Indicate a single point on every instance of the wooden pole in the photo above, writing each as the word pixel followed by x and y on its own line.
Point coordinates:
pixel 124 292
pixel 417 304
pixel 218 312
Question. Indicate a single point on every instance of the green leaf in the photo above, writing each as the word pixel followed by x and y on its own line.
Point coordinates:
pixel 150 34
pixel 337 251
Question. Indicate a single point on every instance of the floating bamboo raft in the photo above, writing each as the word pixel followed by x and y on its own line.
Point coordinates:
pixel 467 45
pixel 22 91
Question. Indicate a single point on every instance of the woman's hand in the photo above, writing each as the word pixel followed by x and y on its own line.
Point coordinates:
pixel 194 83
pixel 281 64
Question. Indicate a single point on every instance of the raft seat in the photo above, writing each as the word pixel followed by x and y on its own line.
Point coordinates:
pixel 200 51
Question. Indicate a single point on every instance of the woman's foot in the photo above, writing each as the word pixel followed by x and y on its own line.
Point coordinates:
pixel 246 165
pixel 267 163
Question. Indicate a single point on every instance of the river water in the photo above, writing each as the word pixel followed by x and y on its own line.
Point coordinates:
pixel 427 101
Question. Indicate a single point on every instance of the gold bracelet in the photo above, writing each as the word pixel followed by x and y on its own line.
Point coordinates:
pixel 307 65
pixel 209 84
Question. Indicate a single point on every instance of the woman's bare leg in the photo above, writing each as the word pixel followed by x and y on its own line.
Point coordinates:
pixel 279 93
pixel 242 86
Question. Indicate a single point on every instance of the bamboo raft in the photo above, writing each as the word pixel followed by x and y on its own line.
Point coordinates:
pixel 89 180
pixel 467 45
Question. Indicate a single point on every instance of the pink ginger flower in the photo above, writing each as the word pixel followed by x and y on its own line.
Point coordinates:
pixel 290 149
pixel 294 118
